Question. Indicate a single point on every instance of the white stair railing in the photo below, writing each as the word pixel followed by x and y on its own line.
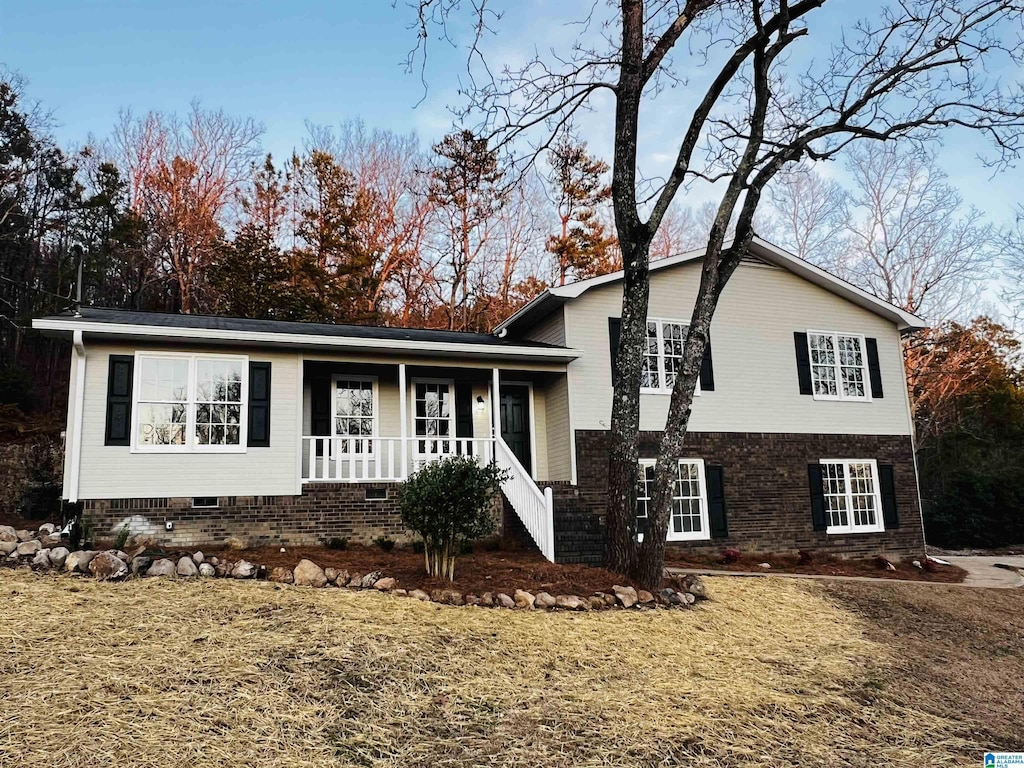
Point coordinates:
pixel 533 506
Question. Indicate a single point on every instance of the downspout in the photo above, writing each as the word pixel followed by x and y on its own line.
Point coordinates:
pixel 78 344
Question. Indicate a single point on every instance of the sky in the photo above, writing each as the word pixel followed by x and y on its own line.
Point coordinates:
pixel 322 61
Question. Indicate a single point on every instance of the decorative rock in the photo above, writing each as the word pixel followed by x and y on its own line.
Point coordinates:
pixel 523 599
pixel 356 581
pixel 47 528
pixel 504 601
pixel 309 574
pixel 419 594
pixel 669 596
pixel 7 533
pixel 543 600
pixel 281 575
pixel 625 595
pixel 223 568
pixel 198 558
pixel 7 547
pixel 342 578
pixel 187 567
pixel 49 540
pixel 645 597
pixel 916 563
pixel 688 597
pixel 399 592
pixel 243 570
pixel 608 600
pixel 161 567
pixel 119 554
pixel 571 603
pixel 205 569
pixel 596 602
pixel 383 585
pixel 447 596
pixel 41 561
pixel 78 562
pixel 487 599
pixel 331 574
pixel 24 535
pixel 236 542
pixel 472 599
pixel 370 579
pixel 108 567
pixel 214 561
pixel 694 585
pixel 765 566
pixel 140 565
pixel 58 556
pixel 27 548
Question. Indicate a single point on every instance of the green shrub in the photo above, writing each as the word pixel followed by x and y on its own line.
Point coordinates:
pixel 337 542
pixel 418 548
pixel 978 509
pixel 448 503
pixel 122 537
pixel 384 543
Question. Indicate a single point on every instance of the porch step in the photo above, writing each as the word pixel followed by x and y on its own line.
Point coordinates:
pixel 579 537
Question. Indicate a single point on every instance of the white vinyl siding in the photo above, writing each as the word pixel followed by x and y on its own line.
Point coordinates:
pixel 853 502
pixel 756 377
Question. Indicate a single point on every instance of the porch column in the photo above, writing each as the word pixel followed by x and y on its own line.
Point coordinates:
pixel 495 401
pixel 403 428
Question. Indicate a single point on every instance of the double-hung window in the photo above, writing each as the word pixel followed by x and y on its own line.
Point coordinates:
pixel 663 355
pixel 434 417
pixel 839 369
pixel 355 413
pixel 189 402
pixel 853 503
pixel 688 520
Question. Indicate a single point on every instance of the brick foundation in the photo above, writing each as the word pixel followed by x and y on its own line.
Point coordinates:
pixel 766 488
pixel 321 512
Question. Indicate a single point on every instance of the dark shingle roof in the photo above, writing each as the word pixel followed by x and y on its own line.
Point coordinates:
pixel 371 332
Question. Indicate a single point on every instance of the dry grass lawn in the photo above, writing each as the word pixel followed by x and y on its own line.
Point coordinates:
pixel 772 672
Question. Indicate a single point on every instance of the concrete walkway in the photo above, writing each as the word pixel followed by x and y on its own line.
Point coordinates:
pixel 981 572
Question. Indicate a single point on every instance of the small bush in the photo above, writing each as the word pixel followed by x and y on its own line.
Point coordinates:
pixel 492 544
pixel 418 548
pixel 805 557
pixel 384 543
pixel 730 555
pixel 337 542
pixel 122 537
pixel 466 548
pixel 448 503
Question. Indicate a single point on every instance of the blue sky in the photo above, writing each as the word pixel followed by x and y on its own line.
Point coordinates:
pixel 325 61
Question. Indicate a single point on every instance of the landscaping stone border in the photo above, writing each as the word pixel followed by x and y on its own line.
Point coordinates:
pixel 44 550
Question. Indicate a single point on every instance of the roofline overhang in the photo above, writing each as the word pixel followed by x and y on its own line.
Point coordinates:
pixel 130 330
pixel 905 321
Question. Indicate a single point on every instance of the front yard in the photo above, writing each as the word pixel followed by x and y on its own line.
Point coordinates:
pixel 771 672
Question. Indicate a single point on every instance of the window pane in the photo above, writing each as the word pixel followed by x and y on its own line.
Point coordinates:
pixel 673 336
pixel 161 424
pixel 686 502
pixel 851 361
pixel 833 477
pixel 163 379
pixel 650 378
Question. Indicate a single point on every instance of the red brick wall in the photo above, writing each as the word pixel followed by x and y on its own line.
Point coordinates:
pixel 766 488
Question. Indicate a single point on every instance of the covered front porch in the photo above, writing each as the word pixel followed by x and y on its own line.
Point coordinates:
pixel 378 422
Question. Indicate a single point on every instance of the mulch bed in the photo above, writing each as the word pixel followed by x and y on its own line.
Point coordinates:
pixel 823 565
pixel 482 571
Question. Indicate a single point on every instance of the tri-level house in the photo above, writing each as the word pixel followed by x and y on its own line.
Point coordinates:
pixel 190 428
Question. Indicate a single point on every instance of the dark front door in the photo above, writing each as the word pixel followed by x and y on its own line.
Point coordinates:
pixel 515 422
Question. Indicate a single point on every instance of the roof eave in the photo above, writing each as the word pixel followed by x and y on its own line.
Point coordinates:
pixel 124 330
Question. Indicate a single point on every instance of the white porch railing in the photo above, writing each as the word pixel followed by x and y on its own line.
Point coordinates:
pixel 386 459
pixel 534 506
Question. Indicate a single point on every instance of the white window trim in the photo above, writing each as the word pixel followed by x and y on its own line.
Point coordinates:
pixel 879 526
pixel 451 415
pixel 839 368
pixel 190 445
pixel 663 389
pixel 705 523
pixel 375 432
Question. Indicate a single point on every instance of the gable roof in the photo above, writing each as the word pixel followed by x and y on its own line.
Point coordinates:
pixel 207 328
pixel 761 250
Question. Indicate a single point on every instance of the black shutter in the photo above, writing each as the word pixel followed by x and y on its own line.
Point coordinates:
pixel 715 477
pixel 803 363
pixel 707 372
pixel 818 516
pixel 874 371
pixel 463 409
pixel 887 485
pixel 259 405
pixel 614 326
pixel 320 405
pixel 120 373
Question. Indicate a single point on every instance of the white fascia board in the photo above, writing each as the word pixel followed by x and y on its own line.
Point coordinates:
pixel 299 339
